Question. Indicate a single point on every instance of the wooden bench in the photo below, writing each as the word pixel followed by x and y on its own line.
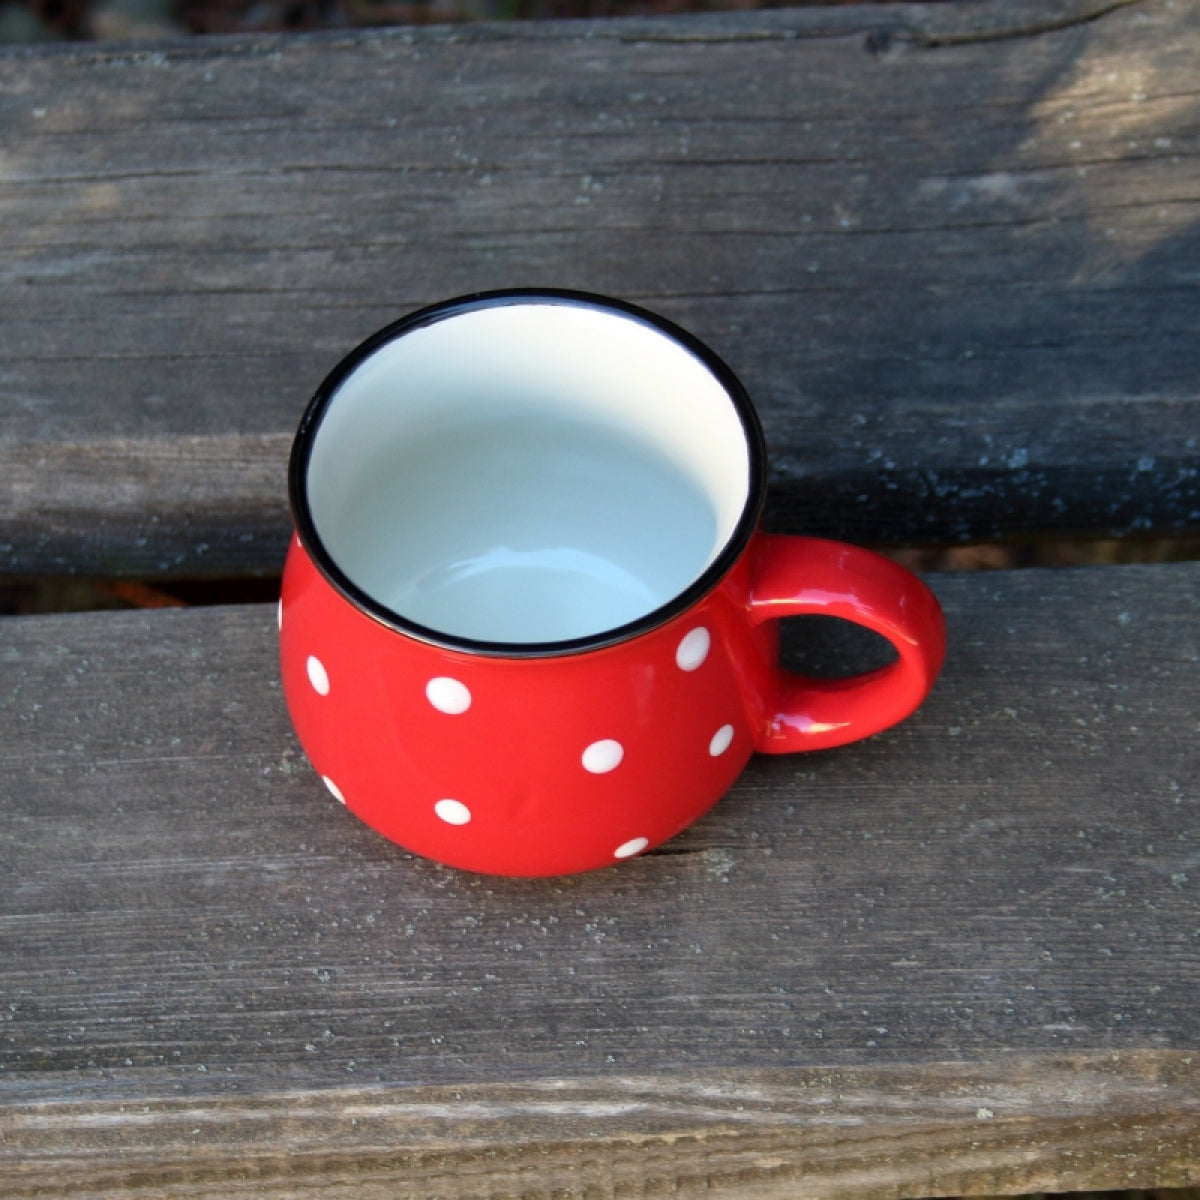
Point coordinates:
pixel 953 251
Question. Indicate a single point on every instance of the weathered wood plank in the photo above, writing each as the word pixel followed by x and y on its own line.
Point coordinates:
pixel 961 956
pixel 951 249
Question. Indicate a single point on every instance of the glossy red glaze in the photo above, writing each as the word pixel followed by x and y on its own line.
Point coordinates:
pixel 797 576
pixel 552 765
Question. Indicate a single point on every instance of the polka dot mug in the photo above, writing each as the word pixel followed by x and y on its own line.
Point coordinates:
pixel 529 625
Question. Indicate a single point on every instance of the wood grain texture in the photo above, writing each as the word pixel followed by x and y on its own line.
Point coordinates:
pixel 961 956
pixel 951 249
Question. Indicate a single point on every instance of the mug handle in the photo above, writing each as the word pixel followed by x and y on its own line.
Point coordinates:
pixel 800 575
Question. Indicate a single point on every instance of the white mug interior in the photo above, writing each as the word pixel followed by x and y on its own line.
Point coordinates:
pixel 538 471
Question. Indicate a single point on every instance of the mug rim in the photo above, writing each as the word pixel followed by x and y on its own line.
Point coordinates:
pixel 686 598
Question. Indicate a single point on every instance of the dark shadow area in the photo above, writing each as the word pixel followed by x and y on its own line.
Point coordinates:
pixel 815 645
pixel 41 594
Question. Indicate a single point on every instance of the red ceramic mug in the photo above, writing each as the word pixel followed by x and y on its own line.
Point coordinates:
pixel 528 623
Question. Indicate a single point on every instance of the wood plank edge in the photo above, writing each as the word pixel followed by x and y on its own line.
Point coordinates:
pixel 1044 1122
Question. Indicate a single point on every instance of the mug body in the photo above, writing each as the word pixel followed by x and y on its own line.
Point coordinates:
pixel 513 624
pixel 524 766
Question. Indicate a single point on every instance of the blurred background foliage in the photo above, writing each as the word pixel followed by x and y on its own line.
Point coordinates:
pixel 42 20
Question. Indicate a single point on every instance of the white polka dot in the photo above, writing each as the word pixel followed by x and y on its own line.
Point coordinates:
pixel 279 613
pixel 317 675
pixel 693 649
pixel 630 848
pixel 448 695
pixel 602 757
pixel 453 812
pixel 334 790
pixel 721 740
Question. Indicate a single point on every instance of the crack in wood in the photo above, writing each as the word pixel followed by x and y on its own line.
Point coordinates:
pixel 1067 20
pixel 995 24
